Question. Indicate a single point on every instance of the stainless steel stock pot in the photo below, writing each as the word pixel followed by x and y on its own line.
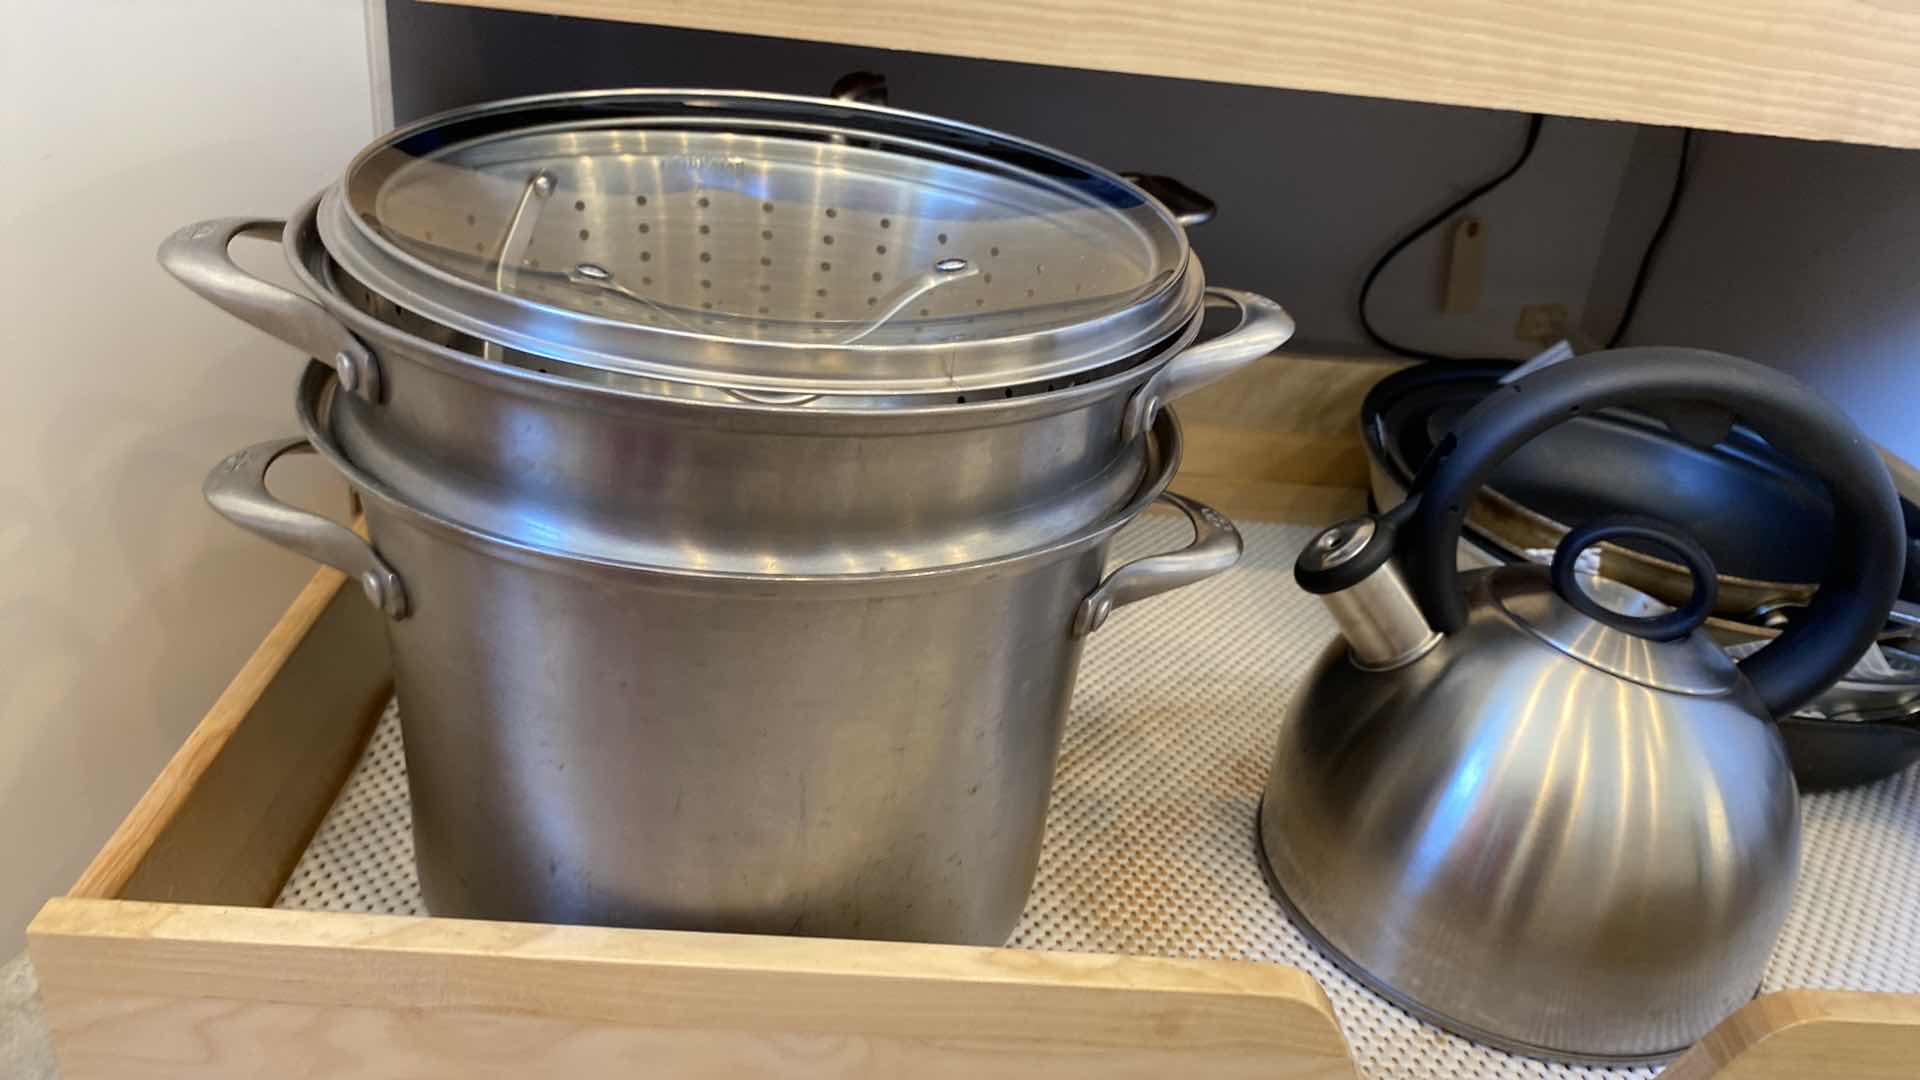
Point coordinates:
pixel 863 755
pixel 740 332
pixel 739 471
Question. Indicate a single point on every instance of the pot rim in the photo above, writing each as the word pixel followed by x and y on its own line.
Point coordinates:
pixel 317 384
pixel 301 240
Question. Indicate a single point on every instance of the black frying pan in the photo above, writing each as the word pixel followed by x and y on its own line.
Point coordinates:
pixel 1766 523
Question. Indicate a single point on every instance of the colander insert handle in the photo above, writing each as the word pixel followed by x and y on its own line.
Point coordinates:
pixel 1264 327
pixel 197 256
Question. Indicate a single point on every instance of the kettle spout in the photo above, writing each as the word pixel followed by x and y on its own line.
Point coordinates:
pixel 1350 566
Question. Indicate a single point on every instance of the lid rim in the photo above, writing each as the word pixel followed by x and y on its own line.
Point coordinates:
pixel 1165 299
pixel 1683 666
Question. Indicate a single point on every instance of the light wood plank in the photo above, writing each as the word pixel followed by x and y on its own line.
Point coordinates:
pixel 1273 500
pixel 1846 70
pixel 1906 478
pixel 1293 391
pixel 1810 1035
pixel 227 819
pixel 136 989
pixel 1280 440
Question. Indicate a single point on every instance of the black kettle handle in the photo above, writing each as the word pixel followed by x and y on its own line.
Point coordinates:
pixel 1863 572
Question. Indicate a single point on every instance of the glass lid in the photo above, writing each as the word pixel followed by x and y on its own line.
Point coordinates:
pixel 761 241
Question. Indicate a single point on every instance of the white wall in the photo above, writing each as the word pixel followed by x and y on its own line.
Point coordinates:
pixel 125 604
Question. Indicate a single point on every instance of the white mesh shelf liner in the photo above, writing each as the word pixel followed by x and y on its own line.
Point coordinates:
pixel 1150 844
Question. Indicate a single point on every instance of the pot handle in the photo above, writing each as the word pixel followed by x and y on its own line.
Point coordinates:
pixel 197 256
pixel 1264 327
pixel 1216 547
pixel 237 490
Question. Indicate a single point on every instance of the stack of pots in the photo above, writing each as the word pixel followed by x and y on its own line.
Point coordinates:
pixel 739 472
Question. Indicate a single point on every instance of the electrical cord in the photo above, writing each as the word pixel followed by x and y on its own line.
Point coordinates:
pixel 1532 139
pixel 1366 286
pixel 1653 243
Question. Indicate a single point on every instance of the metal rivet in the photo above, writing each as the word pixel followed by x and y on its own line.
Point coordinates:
pixel 347 371
pixel 371 585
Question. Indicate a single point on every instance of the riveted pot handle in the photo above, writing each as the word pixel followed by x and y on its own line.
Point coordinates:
pixel 1264 327
pixel 197 256
pixel 237 491
pixel 1216 547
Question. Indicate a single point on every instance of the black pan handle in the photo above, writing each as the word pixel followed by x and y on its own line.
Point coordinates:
pixel 1189 207
pixel 865 87
pixel 1862 574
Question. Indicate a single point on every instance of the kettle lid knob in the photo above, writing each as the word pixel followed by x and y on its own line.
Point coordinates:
pixel 1343 554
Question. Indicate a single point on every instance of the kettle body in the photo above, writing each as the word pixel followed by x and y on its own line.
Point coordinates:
pixel 1530 850
pixel 1533 819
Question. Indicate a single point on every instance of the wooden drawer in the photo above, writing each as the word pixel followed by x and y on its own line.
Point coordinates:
pixel 166 960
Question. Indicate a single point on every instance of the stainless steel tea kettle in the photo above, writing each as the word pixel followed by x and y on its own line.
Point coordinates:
pixel 1541 824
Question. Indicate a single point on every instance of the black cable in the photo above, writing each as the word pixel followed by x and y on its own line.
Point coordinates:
pixel 1654 242
pixel 1366 287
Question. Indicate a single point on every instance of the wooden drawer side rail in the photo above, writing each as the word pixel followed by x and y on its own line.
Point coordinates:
pixel 228 818
pixel 1808 1035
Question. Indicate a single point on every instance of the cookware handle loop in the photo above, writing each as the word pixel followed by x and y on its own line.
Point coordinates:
pixel 1264 327
pixel 237 490
pixel 1665 627
pixel 1215 548
pixel 1850 606
pixel 197 256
